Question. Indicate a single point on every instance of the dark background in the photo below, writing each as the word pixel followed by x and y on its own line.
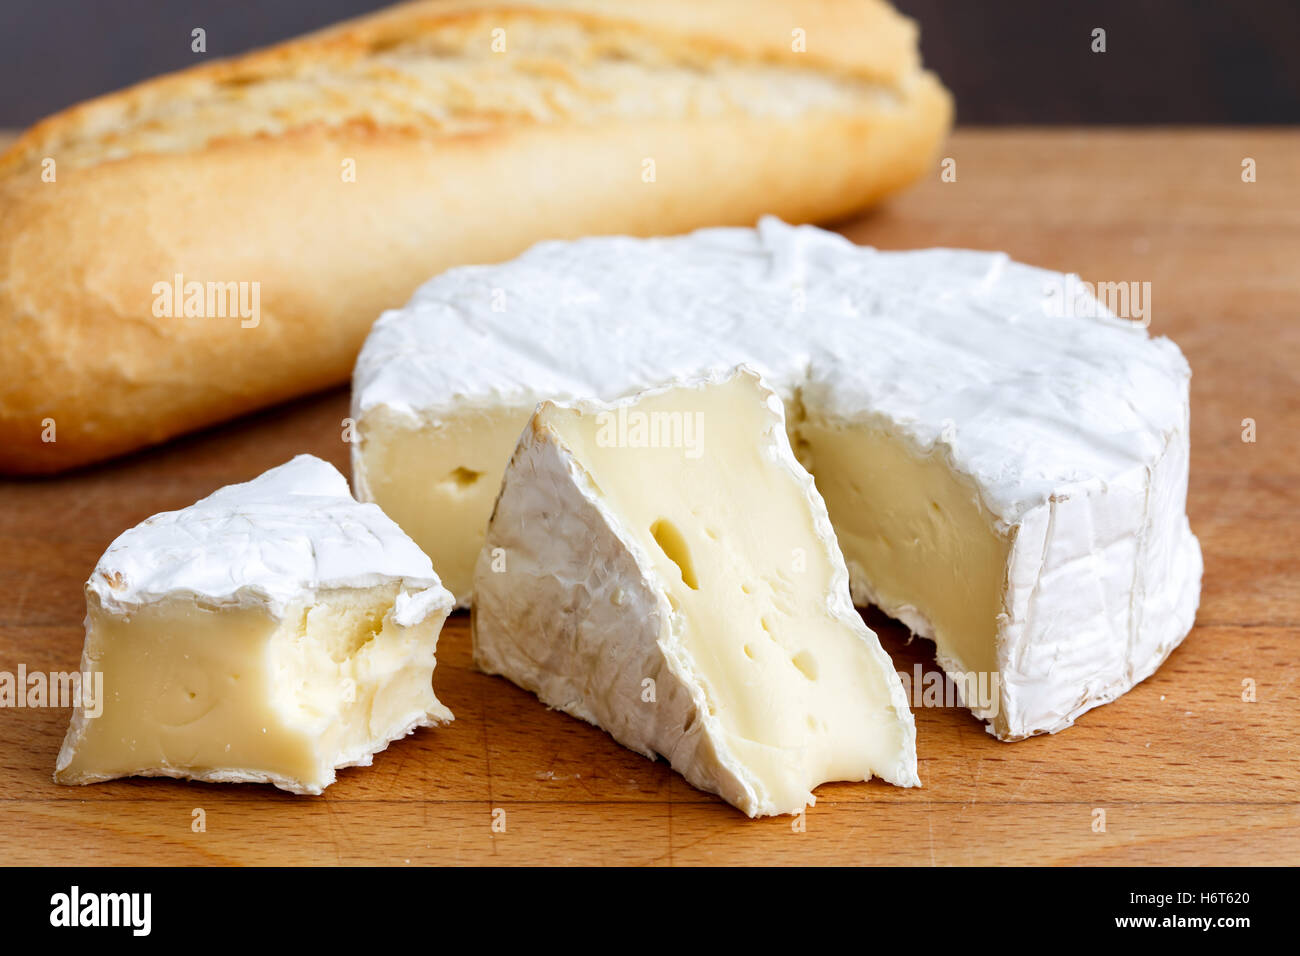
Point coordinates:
pixel 1007 61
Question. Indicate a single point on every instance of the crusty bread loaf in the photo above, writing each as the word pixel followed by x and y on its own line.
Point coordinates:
pixel 332 174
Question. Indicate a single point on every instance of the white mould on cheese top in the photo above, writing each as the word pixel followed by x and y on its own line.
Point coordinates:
pixel 286 534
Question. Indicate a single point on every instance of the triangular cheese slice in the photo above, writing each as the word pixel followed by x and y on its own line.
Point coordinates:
pixel 664 568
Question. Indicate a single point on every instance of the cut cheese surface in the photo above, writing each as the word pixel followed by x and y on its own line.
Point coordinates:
pixel 274 632
pixel 665 569
pixel 914 535
pixel 438 481
pixel 1006 467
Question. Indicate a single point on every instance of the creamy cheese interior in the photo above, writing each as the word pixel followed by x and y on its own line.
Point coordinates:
pixel 438 481
pixel 915 534
pixel 802 694
pixel 912 531
pixel 224 692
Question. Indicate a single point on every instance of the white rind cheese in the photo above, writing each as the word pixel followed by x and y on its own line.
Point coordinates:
pixel 1005 464
pixel 688 596
pixel 273 632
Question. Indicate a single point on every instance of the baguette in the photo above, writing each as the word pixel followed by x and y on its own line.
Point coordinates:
pixel 204 251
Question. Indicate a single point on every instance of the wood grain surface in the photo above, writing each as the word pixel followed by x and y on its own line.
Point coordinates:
pixel 1185 770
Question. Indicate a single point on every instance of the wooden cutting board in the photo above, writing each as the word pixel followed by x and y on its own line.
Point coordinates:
pixel 1185 770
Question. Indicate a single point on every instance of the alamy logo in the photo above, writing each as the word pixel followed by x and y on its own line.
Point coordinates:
pixel 629 428
pixel 55 689
pixel 74 908
pixel 1071 297
pixel 208 300
pixel 978 690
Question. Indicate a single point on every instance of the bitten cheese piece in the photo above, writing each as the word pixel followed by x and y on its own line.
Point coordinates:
pixel 664 568
pixel 273 632
pixel 1005 464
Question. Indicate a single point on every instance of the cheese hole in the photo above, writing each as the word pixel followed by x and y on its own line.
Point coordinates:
pixel 747 589
pixel 673 544
pixel 342 629
pixel 806 663
pixel 712 533
pixel 749 652
pixel 708 700
pixel 462 479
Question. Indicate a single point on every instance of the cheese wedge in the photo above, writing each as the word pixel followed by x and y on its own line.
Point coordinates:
pixel 664 568
pixel 273 632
